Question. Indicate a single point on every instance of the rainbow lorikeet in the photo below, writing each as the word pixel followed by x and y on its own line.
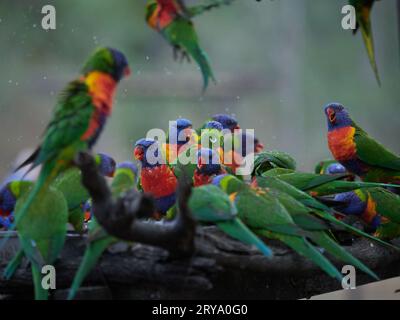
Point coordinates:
pixel 320 209
pixel 227 121
pixel 99 240
pixel 156 176
pixel 363 17
pixel 210 204
pixel 170 19
pixel 78 119
pixel 268 218
pixel 41 232
pixel 208 167
pixel 69 183
pixel 357 151
pixel 311 226
pixel 377 207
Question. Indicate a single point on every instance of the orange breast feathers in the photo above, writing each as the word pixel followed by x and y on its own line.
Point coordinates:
pixel 370 211
pixel 102 88
pixel 341 143
pixel 160 181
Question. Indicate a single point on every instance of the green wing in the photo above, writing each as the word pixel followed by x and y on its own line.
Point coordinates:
pixel 70 121
pixel 373 153
pixel 181 33
pixel 387 203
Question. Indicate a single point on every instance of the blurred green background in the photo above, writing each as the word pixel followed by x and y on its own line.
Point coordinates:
pixel 277 63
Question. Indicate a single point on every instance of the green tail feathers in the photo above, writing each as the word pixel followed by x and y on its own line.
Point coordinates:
pixel 303 247
pixel 202 60
pixel 330 245
pixel 92 255
pixel 237 229
pixel 13 265
pixel 40 293
pixel 369 44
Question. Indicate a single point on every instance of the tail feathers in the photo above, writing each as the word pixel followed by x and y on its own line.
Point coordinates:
pixel 13 265
pixel 354 230
pixel 202 60
pixel 40 292
pixel 326 242
pixel 92 255
pixel 366 32
pixel 238 230
pixel 30 161
pixel 303 247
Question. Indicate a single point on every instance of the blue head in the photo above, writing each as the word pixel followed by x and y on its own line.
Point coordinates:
pixel 337 116
pixel 227 121
pixel 106 164
pixel 335 168
pixel 208 162
pixel 183 125
pixel 142 146
pixel 214 125
pixel 121 67
pixel 7 200
pixel 352 204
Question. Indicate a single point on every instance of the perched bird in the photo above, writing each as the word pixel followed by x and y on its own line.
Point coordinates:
pixel 156 176
pixel 363 17
pixel 377 207
pixel 41 232
pixel 320 209
pixel 310 225
pixel 227 121
pixel 210 204
pixel 208 166
pixel 357 151
pixel 69 183
pixel 78 119
pixel 98 239
pixel 267 217
pixel 169 18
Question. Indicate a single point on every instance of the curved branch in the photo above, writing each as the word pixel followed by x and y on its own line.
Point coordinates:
pixel 123 217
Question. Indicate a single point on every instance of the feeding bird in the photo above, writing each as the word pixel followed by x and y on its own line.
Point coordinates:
pixel 209 203
pixel 156 176
pixel 377 207
pixel 208 167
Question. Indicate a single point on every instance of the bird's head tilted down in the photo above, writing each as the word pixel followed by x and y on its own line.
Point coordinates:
pixel 337 116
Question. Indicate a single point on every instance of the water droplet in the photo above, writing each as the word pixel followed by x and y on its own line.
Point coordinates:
pixel 34 25
pixel 44 78
pixel 147 58
pixel 9 81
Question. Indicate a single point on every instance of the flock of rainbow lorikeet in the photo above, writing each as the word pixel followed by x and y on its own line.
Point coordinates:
pixel 302 210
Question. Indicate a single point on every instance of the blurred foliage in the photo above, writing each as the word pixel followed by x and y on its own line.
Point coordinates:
pixel 277 63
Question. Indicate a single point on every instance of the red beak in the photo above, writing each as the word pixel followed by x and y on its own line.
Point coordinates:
pixel 127 72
